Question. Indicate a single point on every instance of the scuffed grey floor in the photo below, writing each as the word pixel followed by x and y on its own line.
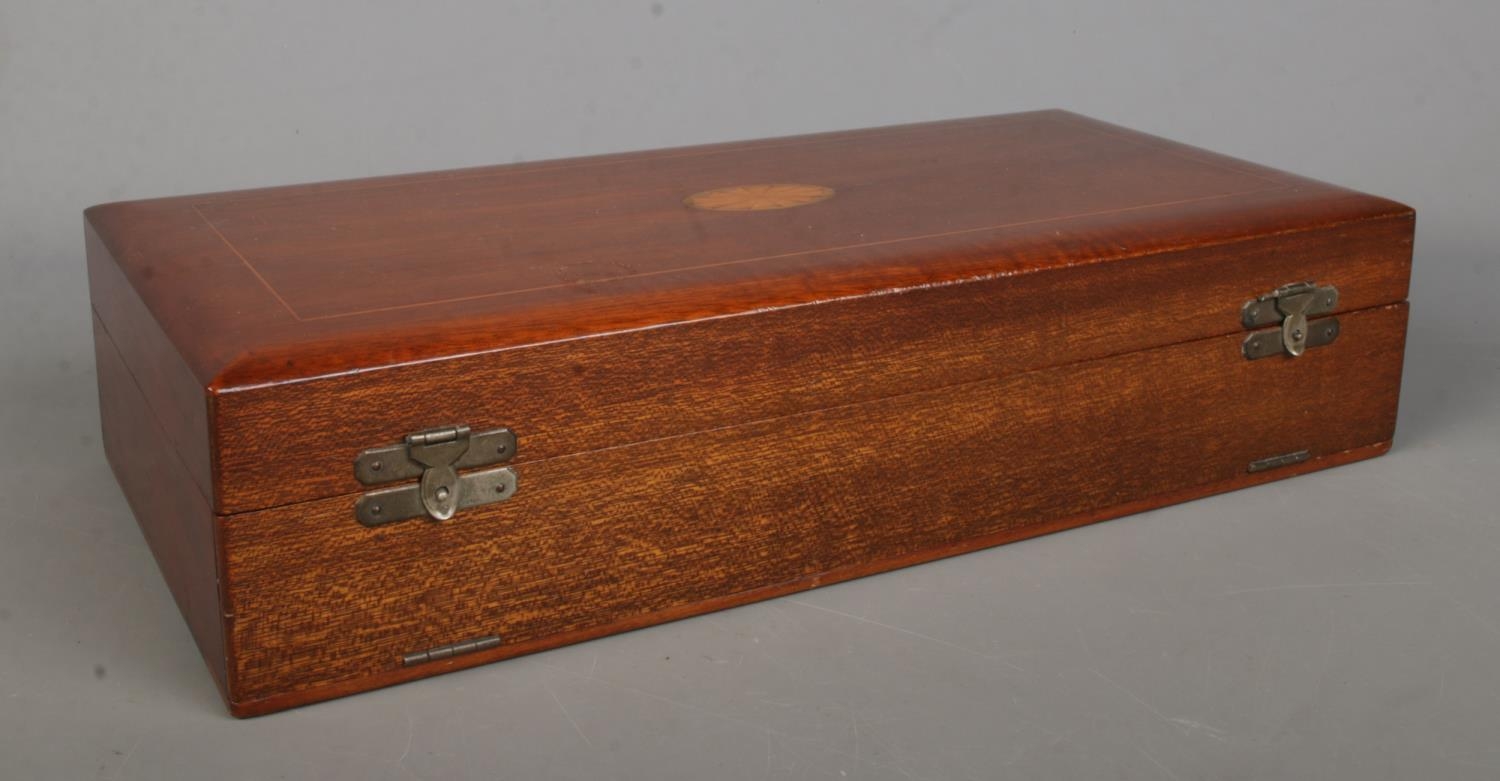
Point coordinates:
pixel 1343 624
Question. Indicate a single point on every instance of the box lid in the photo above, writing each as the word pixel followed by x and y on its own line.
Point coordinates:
pixel 299 292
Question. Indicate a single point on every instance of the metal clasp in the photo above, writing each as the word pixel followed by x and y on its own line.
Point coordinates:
pixel 1290 306
pixel 435 456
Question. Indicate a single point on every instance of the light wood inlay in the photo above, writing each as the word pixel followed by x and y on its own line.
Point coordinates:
pixel 758 197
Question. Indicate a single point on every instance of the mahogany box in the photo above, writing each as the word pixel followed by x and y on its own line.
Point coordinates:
pixel 379 429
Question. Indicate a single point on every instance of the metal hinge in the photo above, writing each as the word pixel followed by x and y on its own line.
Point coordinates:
pixel 1276 462
pixel 435 456
pixel 1290 307
pixel 452 649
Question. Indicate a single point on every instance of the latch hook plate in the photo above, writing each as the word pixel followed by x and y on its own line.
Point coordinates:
pixel 1290 306
pixel 435 456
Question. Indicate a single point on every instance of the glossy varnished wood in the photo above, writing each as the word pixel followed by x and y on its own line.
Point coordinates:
pixel 618 536
pixel 257 286
pixel 579 395
pixel 174 517
pixel 394 675
pixel 735 370
pixel 164 379
pixel 317 285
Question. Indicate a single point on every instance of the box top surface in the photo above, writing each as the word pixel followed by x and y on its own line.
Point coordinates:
pixel 288 283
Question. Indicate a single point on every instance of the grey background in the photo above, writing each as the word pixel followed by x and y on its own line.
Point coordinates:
pixel 1342 625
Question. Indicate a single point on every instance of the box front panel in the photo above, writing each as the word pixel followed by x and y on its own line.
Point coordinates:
pixel 623 537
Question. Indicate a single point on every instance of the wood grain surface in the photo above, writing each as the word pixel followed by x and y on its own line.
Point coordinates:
pixel 628 535
pixel 174 517
pixel 308 317
pixel 580 395
pixel 288 283
pixel 869 348
pixel 175 399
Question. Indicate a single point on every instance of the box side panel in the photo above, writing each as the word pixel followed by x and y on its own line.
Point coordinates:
pixel 579 395
pixel 613 539
pixel 175 398
pixel 174 517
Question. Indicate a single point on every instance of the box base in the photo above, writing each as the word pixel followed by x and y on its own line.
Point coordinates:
pixel 392 677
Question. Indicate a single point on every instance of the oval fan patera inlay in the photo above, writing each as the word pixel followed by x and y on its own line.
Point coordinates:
pixel 758 197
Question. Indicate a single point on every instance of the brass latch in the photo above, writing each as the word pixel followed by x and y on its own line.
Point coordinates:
pixel 1290 307
pixel 435 456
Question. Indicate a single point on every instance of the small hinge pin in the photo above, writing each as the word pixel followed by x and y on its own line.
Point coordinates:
pixel 438 436
pixel 452 649
pixel 1274 462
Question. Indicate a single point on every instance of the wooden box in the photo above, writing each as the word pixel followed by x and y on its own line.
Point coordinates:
pixel 375 430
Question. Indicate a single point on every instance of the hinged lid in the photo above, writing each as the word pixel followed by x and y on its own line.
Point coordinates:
pixel 534 296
